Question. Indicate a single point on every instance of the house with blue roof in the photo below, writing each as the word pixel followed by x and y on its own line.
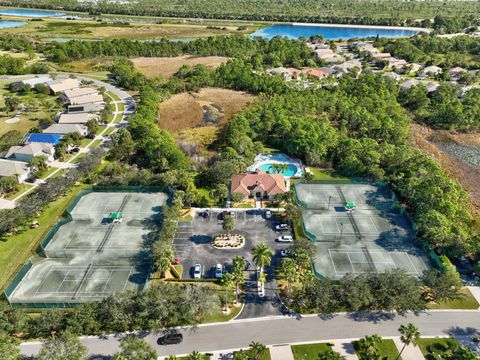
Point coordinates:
pixel 44 138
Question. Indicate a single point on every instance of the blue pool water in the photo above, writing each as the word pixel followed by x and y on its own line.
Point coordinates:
pixel 328 32
pixel 30 13
pixel 291 171
pixel 10 24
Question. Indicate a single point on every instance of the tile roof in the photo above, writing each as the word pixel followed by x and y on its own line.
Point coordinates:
pixel 249 182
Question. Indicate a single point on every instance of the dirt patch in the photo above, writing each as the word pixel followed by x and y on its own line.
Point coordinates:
pixel 465 174
pixel 209 107
pixel 167 66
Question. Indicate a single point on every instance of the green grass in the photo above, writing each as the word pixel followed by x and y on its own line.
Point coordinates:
pixel 204 357
pixel 78 158
pixel 386 349
pixel 468 301
pixel 434 348
pixel 323 175
pixel 95 144
pixel 309 351
pixel 20 189
pixel 110 130
pixel 242 206
pixel 15 250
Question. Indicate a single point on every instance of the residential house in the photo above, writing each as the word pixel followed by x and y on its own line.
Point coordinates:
pixel 314 73
pixel 76 118
pixel 381 56
pixel 19 169
pixel 392 75
pixel 414 67
pixel 73 93
pixel 61 85
pixel 431 71
pixel 43 138
pixel 431 86
pixel 29 151
pixel 396 64
pixel 409 84
pixel 260 185
pixel 456 72
pixel 87 108
pixel 64 129
pixel 14 86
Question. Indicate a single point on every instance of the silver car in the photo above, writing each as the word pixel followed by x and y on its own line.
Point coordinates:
pixel 197 271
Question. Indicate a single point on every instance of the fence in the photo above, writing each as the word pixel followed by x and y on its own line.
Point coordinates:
pixel 17 279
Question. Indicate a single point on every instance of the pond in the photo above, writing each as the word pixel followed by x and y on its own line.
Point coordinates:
pixel 30 13
pixel 10 24
pixel 331 32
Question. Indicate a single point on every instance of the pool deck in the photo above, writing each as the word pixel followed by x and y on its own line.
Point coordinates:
pixel 277 158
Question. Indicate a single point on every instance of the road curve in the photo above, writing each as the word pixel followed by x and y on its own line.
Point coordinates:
pixel 282 330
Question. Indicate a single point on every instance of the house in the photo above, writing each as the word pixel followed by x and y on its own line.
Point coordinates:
pixel 456 72
pixel 64 129
pixel 258 184
pixel 61 85
pixel 414 67
pixel 43 138
pixel 314 73
pixel 397 64
pixel 19 169
pixel 87 108
pixel 29 151
pixel 381 56
pixel 392 75
pixel 76 118
pixel 86 99
pixel 409 84
pixel 431 71
pixel 430 86
pixel 17 85
pixel 69 94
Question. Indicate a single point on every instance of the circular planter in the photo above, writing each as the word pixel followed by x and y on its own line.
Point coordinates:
pixel 228 241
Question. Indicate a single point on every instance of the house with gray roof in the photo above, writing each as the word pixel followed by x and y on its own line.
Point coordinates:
pixel 29 151
pixel 65 129
pixel 19 169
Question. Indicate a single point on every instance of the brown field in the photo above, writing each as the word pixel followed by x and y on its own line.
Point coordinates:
pixel 463 173
pixel 167 66
pixel 209 107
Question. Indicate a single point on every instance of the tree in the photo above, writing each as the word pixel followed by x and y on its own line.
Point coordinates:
pixel 262 256
pixel 135 348
pixel 11 103
pixel 195 355
pixel 367 348
pixel 8 184
pixel 440 286
pixel 227 280
pixel 64 347
pixel 229 223
pixel 92 126
pixel 409 335
pixel 239 264
pixel 288 267
pixel 9 347
pixel 257 350
pixel 38 163
pixel 329 355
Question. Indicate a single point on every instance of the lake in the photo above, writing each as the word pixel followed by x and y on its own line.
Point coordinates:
pixel 30 13
pixel 329 32
pixel 10 24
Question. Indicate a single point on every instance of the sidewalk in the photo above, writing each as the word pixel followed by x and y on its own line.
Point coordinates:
pixel 345 349
pixel 410 352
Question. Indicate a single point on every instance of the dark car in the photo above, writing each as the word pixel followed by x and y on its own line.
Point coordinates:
pixel 170 339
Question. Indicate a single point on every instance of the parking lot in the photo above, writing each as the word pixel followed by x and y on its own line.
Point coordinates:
pixel 193 242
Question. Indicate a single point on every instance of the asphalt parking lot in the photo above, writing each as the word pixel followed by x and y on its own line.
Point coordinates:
pixel 193 242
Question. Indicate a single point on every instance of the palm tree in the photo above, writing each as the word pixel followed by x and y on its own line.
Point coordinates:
pixel 227 280
pixel 195 355
pixel 239 264
pixel 410 335
pixel 229 224
pixel 262 256
pixel 240 355
pixel 257 350
pixel 171 357
pixel 329 355
pixel 288 268
pixel 368 347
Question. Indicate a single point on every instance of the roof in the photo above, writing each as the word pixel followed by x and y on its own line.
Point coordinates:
pixel 65 129
pixel 115 215
pixel 76 118
pixel 79 92
pixel 315 72
pixel 85 99
pixel 34 149
pixel 36 80
pixel 63 84
pixel 409 83
pixel 88 107
pixel 457 69
pixel 350 204
pixel 432 69
pixel 44 138
pixel 270 183
pixel 13 168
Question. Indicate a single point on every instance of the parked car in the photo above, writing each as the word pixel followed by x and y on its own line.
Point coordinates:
pixel 268 214
pixel 282 227
pixel 285 239
pixel 228 213
pixel 218 271
pixel 197 271
pixel 176 261
pixel 284 252
pixel 170 339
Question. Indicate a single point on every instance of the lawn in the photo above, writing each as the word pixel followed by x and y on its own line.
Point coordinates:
pixel 387 349
pixel 309 351
pixel 433 349
pixel 319 174
pixel 20 189
pixel 17 249
pixel 467 302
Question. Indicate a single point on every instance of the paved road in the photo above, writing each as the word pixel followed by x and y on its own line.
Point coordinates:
pixel 281 330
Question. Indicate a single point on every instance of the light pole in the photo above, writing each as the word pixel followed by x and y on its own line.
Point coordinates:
pixel 341 230
pixel 329 198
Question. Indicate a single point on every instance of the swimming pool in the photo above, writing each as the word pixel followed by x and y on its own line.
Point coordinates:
pixel 289 172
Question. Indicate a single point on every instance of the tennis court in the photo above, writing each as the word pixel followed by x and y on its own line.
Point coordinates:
pixel 373 237
pixel 98 250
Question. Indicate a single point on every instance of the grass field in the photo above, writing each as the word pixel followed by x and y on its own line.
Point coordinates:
pixel 433 349
pixel 319 174
pixel 21 188
pixel 62 29
pixel 208 107
pixel 168 66
pixel 467 302
pixel 386 349
pixel 17 249
pixel 309 351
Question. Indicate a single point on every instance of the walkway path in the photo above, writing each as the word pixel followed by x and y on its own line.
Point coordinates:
pixel 475 290
pixel 345 349
pixel 410 352
pixel 281 352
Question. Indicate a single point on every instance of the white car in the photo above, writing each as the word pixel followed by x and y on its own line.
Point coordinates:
pixel 285 239
pixel 284 252
pixel 268 214
pixel 218 271
pixel 282 227
pixel 197 271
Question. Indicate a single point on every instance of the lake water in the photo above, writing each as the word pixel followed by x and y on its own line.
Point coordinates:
pixel 333 32
pixel 30 13
pixel 10 24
